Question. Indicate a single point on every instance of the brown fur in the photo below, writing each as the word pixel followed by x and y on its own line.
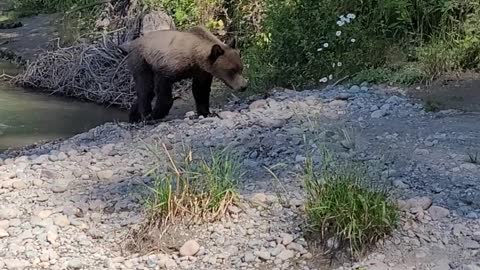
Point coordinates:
pixel 160 58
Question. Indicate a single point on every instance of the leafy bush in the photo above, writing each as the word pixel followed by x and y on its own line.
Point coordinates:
pixel 343 203
pixel 186 13
pixel 297 28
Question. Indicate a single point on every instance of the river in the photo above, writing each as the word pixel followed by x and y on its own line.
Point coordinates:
pixel 27 117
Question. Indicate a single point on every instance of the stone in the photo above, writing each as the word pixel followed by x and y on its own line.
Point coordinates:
pixel 263 255
pixel 190 248
pixel 286 255
pixel 277 250
pixel 421 152
pixel 443 264
pixel 258 105
pixel 44 214
pixel 15 264
pixel 61 221
pixel 438 213
pixel 3 233
pixel 105 175
pixel 419 202
pixel 378 114
pixel 471 244
pixel 470 267
pixel 7 212
pixel 287 239
pixel 75 264
pixel 157 20
pixel 249 257
pixel 52 236
pixel 60 186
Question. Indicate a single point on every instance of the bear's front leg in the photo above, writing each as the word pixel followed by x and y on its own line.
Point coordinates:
pixel 201 87
pixel 164 102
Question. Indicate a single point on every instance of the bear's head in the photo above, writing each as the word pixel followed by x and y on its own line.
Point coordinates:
pixel 226 65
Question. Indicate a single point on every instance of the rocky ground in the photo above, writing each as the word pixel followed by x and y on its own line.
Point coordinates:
pixel 71 204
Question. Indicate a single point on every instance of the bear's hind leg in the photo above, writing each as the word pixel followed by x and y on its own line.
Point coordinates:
pixel 164 102
pixel 201 86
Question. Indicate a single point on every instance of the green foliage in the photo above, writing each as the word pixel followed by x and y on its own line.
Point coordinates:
pixel 407 74
pixel 201 189
pixel 29 7
pixel 187 13
pixel 343 203
pixel 297 28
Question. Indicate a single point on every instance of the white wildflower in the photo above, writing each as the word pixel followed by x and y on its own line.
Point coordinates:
pixel 351 16
pixel 353 40
pixel 330 77
pixel 344 19
pixel 324 80
pixel 319 49
pixel 333 65
pixel 338 33
pixel 325 45
pixel 339 64
pixel 340 23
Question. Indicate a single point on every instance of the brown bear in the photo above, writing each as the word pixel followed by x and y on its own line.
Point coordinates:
pixel 160 58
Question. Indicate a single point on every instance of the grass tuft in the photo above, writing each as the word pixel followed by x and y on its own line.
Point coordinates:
pixel 343 203
pixel 473 157
pixel 197 189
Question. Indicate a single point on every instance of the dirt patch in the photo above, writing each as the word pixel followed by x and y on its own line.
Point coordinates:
pixel 460 92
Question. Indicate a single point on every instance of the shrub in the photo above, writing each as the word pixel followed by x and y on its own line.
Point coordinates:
pixel 200 189
pixel 344 203
pixel 297 28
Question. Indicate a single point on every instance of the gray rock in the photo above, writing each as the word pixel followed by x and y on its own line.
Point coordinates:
pixel 15 264
pixel 471 266
pixel 8 212
pixel 277 250
pixel 249 257
pixel 419 202
pixel 190 248
pixel 263 255
pixel 76 263
pixel 286 255
pixel 105 175
pixel 471 244
pixel 3 233
pixel 60 186
pixel 61 220
pixel 437 212
pixel 354 88
pixel 287 239
pixel 378 114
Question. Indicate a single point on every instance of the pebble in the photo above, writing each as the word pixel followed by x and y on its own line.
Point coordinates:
pixel 75 264
pixel 190 248
pixel 378 113
pixel 438 213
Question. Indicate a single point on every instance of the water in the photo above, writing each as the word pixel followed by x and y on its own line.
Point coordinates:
pixel 27 117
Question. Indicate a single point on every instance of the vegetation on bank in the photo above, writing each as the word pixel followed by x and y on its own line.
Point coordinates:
pixel 345 206
pixel 301 43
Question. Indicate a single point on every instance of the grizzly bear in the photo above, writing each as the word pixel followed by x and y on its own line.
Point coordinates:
pixel 160 58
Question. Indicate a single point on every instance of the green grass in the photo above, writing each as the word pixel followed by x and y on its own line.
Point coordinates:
pixel 198 189
pixel 343 202
pixel 432 106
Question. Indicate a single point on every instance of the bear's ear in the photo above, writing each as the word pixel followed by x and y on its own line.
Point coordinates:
pixel 233 43
pixel 216 52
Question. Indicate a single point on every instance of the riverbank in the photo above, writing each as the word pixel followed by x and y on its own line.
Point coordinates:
pixel 73 203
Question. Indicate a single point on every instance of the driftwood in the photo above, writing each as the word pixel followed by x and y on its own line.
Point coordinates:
pixel 95 71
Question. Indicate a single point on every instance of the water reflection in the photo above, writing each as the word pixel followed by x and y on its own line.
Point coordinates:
pixel 27 117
